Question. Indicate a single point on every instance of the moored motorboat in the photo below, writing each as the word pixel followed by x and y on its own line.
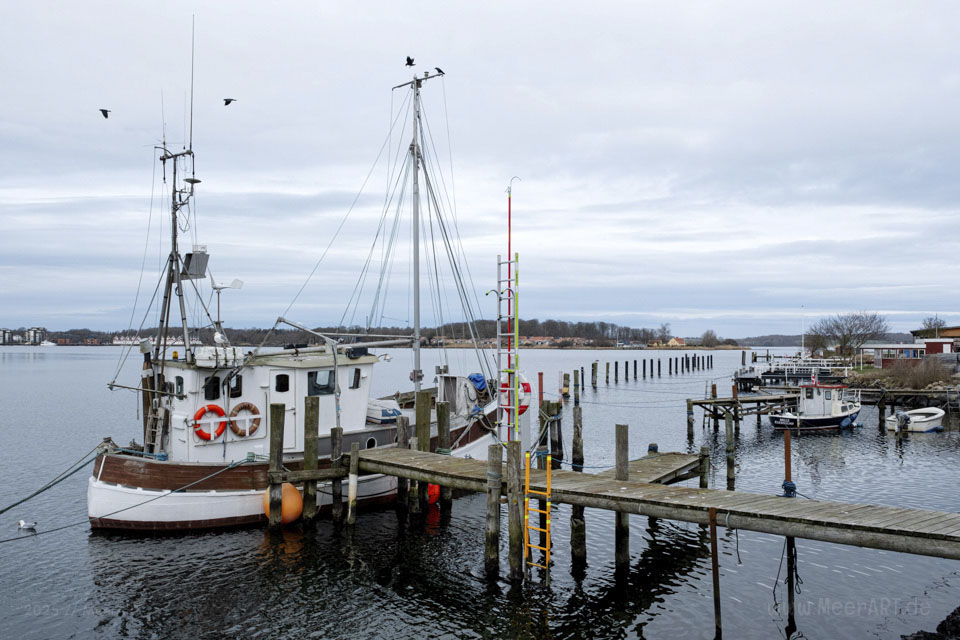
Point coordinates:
pixel 917 420
pixel 820 407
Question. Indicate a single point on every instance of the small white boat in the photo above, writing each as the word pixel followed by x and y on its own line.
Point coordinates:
pixel 920 420
pixel 383 411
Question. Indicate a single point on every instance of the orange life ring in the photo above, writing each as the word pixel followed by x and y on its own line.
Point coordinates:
pixel 526 391
pixel 252 408
pixel 198 428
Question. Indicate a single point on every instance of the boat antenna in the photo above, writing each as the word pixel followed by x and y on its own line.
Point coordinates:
pixel 192 49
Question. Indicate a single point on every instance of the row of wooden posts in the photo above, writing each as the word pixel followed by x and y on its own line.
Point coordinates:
pixel 675 365
pixel 414 500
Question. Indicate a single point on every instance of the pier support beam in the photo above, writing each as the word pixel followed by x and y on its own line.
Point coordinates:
pixel 704 466
pixel 690 420
pixel 403 442
pixel 491 555
pixel 277 413
pixel 728 423
pixel 715 565
pixel 578 527
pixel 514 511
pixel 622 519
pixel 422 408
pixel 311 426
pixel 443 446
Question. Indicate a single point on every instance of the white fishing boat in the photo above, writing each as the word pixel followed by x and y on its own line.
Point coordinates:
pixel 206 421
pixel 917 420
pixel 820 407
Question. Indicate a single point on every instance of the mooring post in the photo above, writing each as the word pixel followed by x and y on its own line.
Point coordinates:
pixel 336 485
pixel 743 358
pixel 556 444
pixel 644 369
pixel 616 371
pixel 626 370
pixel 634 369
pixel 576 388
pixel 311 427
pixel 566 385
pixel 422 409
pixel 659 368
pixel 622 519
pixel 352 484
pixel 403 442
pixel 728 423
pixel 277 413
pixel 704 466
pixel 514 512
pixel 491 555
pixel 443 446
pixel 736 410
pixel 608 372
pixel 715 564
pixel 593 374
pixel 689 419
pixel 583 377
pixel 713 407
pixel 881 410
pixel 669 366
pixel 540 390
pixel 578 527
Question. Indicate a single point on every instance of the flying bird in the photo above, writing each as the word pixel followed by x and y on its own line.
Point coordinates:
pixel 227 101
pixel 28 526
pixel 410 61
pixel 439 70
pixel 105 112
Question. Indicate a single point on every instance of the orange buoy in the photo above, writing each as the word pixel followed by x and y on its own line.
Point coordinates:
pixel 291 503
pixel 433 493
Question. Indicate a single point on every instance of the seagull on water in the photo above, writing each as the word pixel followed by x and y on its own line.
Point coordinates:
pixel 105 112
pixel 410 62
pixel 27 526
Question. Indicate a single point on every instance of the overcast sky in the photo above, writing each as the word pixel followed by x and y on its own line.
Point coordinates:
pixel 747 167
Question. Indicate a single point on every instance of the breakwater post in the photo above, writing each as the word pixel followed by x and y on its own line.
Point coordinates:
pixel 491 554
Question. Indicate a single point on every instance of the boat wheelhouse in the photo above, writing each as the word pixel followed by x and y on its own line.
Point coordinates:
pixel 820 407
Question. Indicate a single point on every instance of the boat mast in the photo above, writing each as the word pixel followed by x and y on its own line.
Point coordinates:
pixel 417 374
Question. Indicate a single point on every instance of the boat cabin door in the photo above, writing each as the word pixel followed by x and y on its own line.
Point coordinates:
pixel 283 389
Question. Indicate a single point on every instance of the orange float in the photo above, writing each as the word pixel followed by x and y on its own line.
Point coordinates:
pixel 433 493
pixel 291 503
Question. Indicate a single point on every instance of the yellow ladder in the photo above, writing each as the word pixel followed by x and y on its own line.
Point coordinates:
pixel 544 496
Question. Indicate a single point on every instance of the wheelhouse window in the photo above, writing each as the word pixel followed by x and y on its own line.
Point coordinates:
pixel 355 383
pixel 809 394
pixel 827 394
pixel 211 388
pixel 320 383
pixel 281 384
pixel 236 386
pixel 179 385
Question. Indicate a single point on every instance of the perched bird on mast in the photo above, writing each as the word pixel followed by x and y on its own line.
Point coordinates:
pixel 105 112
pixel 439 70
pixel 227 101
pixel 410 62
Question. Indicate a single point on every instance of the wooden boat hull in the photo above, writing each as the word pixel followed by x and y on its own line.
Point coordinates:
pixel 134 492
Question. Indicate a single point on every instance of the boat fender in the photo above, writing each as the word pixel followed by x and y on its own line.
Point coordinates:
pixel 254 423
pixel 523 402
pixel 198 416
pixel 846 422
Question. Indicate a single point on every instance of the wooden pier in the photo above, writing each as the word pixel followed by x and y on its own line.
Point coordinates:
pixel 917 531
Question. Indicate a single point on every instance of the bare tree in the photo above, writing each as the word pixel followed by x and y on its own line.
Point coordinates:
pixel 709 338
pixel 933 322
pixel 663 333
pixel 850 331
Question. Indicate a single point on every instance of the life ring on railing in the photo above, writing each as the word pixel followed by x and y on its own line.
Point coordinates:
pixel 254 422
pixel 523 402
pixel 198 416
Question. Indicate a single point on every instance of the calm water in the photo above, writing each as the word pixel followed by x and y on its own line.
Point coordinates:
pixel 388 580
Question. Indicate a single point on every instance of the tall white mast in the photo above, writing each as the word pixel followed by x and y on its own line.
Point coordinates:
pixel 415 153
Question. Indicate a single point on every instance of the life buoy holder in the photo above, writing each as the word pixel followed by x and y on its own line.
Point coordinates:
pixel 198 416
pixel 254 422
pixel 523 402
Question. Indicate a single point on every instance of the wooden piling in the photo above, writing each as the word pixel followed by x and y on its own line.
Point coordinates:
pixel 556 442
pixel 704 466
pixel 578 527
pixel 336 485
pixel 622 519
pixel 669 366
pixel 514 513
pixel 728 423
pixel 491 555
pixel 311 426
pixel 743 358
pixel 403 442
pixel 608 372
pixel 443 446
pixel 690 419
pixel 644 369
pixel 659 368
pixel 565 390
pixel 715 565
pixel 277 413
pixel 616 371
pixel 634 369
pixel 576 388
pixel 352 484
pixel 422 409
pixel 626 370
pixel 593 375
